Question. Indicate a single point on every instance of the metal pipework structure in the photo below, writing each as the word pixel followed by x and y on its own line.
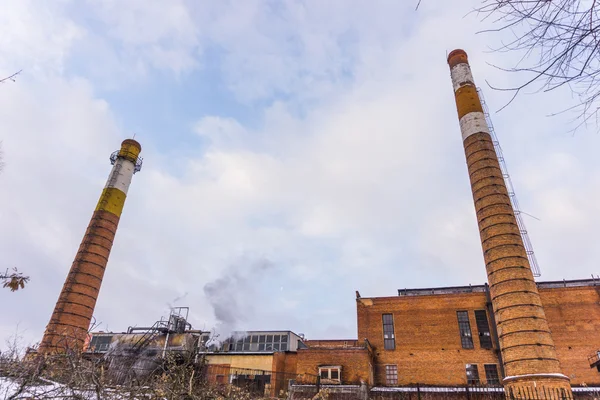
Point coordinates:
pixel 70 321
pixel 526 344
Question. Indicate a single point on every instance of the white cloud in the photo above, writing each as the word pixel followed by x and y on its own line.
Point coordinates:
pixel 223 132
pixel 353 178
pixel 161 35
pixel 36 37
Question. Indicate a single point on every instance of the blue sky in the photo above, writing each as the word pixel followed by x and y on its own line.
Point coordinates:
pixel 295 151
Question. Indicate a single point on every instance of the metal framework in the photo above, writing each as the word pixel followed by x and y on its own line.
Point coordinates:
pixel 535 268
pixel 137 161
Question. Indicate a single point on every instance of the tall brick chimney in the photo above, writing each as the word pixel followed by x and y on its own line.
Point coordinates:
pixel 527 347
pixel 72 314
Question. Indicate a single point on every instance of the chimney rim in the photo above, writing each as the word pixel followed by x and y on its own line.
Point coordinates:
pixel 457 53
pixel 132 142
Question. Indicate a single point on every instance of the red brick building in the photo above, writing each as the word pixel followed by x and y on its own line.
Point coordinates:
pixel 337 361
pixel 448 337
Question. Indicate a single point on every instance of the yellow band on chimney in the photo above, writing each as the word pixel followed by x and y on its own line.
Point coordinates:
pixel 112 201
pixel 467 100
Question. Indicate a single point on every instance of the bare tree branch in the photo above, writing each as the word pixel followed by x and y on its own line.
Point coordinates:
pixel 11 77
pixel 559 44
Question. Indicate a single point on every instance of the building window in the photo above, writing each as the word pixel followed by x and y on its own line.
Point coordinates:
pixel 100 344
pixel 334 374
pixel 466 338
pixel 472 374
pixel 483 327
pixel 391 375
pixel 255 384
pixel 389 339
pixel 331 374
pixel 257 343
pixel 491 374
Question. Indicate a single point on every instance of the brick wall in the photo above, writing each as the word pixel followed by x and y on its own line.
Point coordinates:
pixel 428 345
pixel 355 363
pixel 574 318
pixel 284 369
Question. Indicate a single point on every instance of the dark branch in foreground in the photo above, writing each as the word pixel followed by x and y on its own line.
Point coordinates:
pixel 559 44
pixel 11 77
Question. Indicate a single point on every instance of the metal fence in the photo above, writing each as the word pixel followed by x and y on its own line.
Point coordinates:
pixel 420 392
pixel 260 383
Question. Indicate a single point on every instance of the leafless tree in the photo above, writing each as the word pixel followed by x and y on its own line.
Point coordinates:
pixel 558 45
pixel 10 77
pixel 76 375
pixel 12 280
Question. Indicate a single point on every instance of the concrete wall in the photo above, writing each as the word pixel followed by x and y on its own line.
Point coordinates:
pixel 281 366
pixel 262 362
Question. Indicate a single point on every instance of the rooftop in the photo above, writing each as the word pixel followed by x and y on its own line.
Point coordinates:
pixel 482 288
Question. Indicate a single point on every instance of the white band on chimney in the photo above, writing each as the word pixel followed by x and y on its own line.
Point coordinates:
pixel 461 74
pixel 472 123
pixel 121 175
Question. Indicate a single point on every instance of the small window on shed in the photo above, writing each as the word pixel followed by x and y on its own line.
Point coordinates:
pixel 331 374
pixel 100 344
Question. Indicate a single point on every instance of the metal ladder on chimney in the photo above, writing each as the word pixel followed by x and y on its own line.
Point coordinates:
pixel 535 268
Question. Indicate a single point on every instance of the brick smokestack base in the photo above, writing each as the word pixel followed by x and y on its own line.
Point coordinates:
pixel 70 321
pixel 526 343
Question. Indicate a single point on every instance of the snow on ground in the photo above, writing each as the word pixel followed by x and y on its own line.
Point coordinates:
pixel 49 390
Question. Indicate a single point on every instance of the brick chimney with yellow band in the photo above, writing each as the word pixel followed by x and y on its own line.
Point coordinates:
pixel 526 343
pixel 73 312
